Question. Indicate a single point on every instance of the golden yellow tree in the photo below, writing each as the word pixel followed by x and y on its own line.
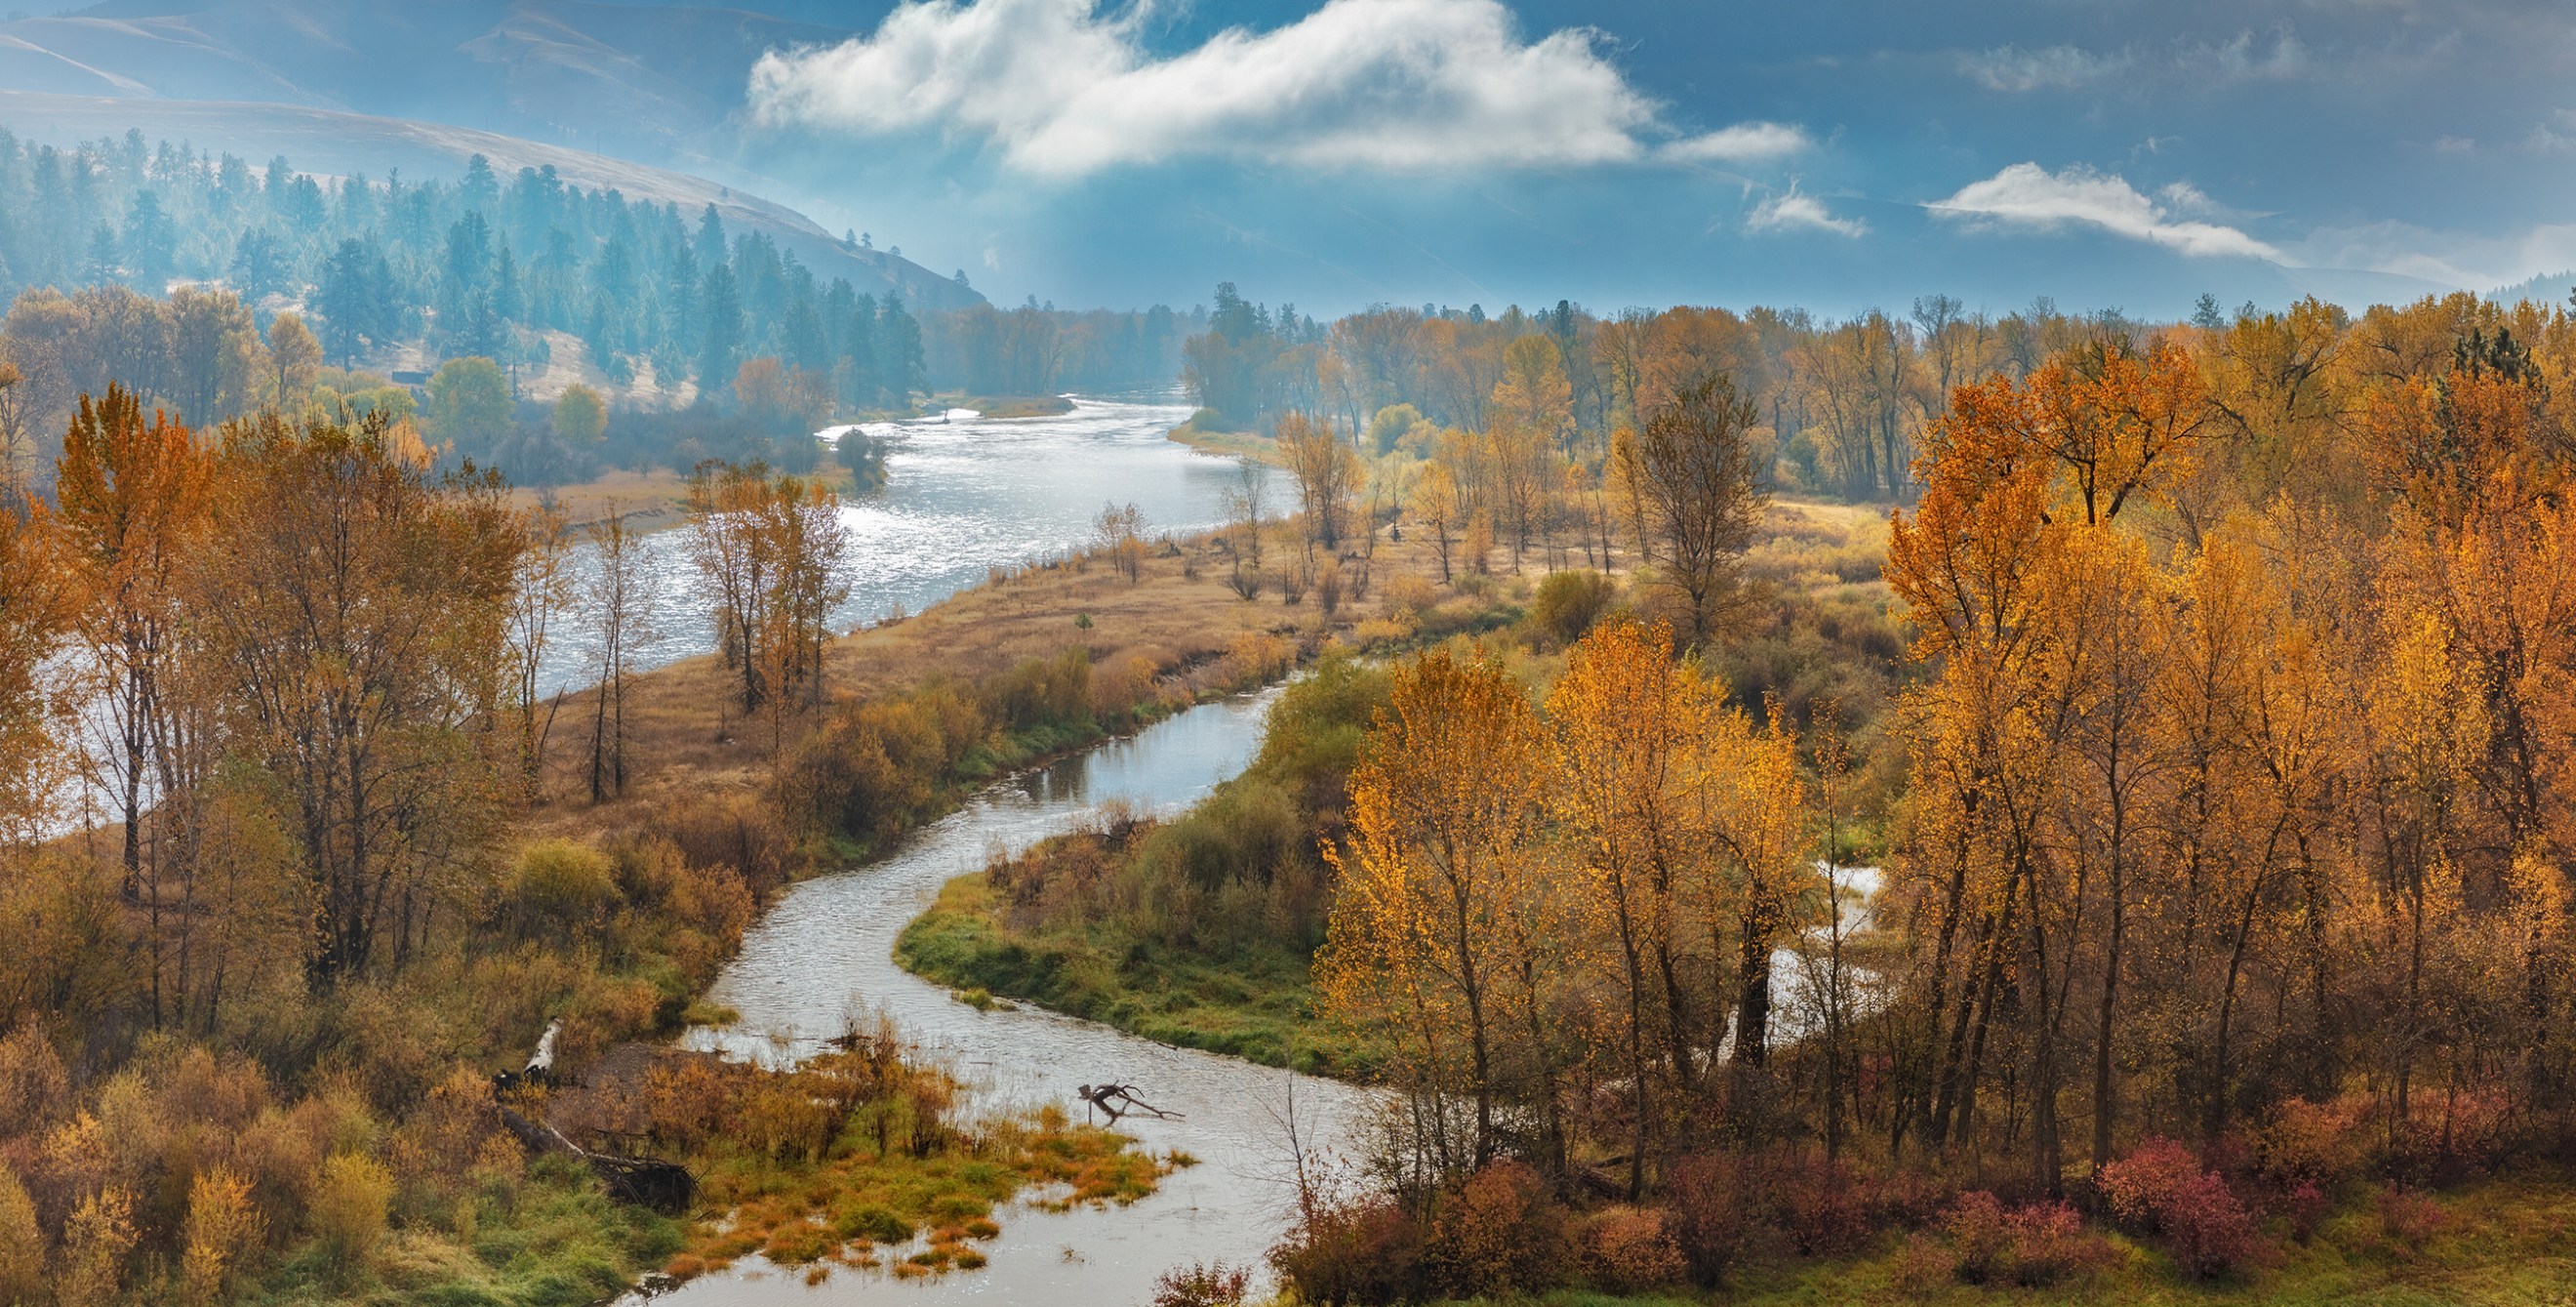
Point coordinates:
pixel 1436 867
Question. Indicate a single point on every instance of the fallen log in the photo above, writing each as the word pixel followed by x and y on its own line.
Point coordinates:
pixel 1119 1101
pixel 666 1187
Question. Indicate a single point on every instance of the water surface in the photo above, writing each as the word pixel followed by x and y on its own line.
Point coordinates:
pixel 963 494
pixel 826 950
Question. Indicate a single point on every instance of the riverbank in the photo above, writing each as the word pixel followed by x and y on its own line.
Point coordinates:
pixel 1256 1004
pixel 1203 434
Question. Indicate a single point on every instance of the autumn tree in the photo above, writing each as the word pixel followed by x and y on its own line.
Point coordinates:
pixel 1327 472
pixel 358 604
pixel 1437 865
pixel 1693 498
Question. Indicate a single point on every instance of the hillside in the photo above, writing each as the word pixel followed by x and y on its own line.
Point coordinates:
pixel 334 142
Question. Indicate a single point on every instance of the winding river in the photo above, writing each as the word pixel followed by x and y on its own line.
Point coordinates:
pixel 826 950
pixel 965 493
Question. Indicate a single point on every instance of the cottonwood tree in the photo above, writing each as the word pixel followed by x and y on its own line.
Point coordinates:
pixel 620 612
pixel 544 588
pixel 1328 474
pixel 1437 867
pixel 1119 533
pixel 359 606
pixel 1688 477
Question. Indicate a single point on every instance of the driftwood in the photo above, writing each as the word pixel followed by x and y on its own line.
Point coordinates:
pixel 666 1187
pixel 1118 1101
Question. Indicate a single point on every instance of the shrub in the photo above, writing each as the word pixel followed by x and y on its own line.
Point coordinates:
pixel 1980 1243
pixel 562 888
pixel 1408 593
pixel 1709 1214
pixel 347 1210
pixel 2409 1218
pixel 1202 1284
pixel 1630 1251
pixel 1821 1207
pixel 2163 1189
pixel 1569 602
pixel 2049 1244
pixel 1362 1252
pixel 2308 1143
pixel 1922 1267
pixel 95 1242
pixel 2142 1186
pixel 35 1091
pixel 222 1230
pixel 2033 1245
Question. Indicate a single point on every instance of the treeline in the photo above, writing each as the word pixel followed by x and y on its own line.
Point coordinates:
pixel 2230 878
pixel 1840 407
pixel 491 266
pixel 1041 350
pixel 479 266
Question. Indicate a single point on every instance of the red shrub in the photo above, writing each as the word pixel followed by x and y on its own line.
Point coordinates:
pixel 1821 1207
pixel 2208 1232
pixel 1980 1244
pixel 1363 1253
pixel 2049 1244
pixel 2034 1245
pixel 2306 1205
pixel 1500 1233
pixel 1202 1285
pixel 1710 1213
pixel 2408 1218
pixel 2142 1185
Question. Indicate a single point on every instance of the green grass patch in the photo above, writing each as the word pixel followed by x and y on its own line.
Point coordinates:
pixel 1256 1004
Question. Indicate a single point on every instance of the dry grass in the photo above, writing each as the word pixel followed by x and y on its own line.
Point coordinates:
pixel 653 499
pixel 687 737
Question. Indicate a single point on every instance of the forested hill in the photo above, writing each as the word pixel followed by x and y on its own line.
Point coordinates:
pixel 332 145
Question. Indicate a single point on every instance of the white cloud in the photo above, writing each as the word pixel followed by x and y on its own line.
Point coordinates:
pixel 1755 142
pixel 1793 210
pixel 2011 68
pixel 1063 89
pixel 2183 197
pixel 2242 59
pixel 2027 195
pixel 2470 261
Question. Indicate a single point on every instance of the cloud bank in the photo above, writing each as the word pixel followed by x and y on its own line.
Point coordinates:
pixel 1063 89
pixel 2028 196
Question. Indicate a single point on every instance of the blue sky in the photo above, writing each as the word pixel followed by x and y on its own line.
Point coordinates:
pixel 1834 155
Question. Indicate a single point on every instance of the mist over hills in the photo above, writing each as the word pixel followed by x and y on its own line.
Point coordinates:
pixel 1795 160
pixel 336 143
pixel 607 95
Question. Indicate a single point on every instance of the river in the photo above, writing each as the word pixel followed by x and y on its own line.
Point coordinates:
pixel 826 949
pixel 963 494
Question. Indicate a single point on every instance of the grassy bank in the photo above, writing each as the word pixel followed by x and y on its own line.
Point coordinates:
pixel 1204 434
pixel 1256 1005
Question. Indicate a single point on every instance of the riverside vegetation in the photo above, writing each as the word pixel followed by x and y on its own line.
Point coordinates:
pixel 2221 946
pixel 313 858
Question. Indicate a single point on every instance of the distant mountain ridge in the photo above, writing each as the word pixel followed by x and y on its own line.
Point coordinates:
pixel 334 143
pixel 635 97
